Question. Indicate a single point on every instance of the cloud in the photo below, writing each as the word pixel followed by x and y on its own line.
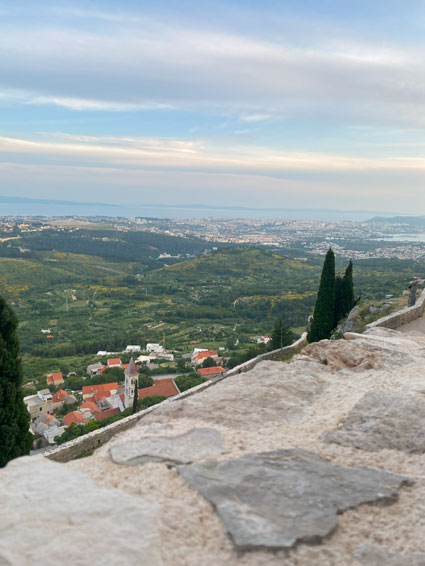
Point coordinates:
pixel 200 155
pixel 153 63
pixel 255 117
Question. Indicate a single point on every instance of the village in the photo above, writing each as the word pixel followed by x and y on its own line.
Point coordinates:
pixel 57 407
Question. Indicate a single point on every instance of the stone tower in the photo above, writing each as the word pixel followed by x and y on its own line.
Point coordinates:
pixel 131 382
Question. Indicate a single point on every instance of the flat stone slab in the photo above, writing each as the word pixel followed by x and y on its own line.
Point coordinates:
pixel 384 420
pixel 52 515
pixel 376 555
pixel 275 499
pixel 197 444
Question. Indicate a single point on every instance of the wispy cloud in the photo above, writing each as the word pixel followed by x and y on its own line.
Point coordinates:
pixel 155 64
pixel 198 155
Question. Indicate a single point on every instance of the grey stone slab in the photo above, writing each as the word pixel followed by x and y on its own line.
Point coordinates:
pixel 193 445
pixel 376 555
pixel 52 515
pixel 275 499
pixel 384 420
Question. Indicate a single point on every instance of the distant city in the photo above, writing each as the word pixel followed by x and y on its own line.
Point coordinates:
pixel 374 238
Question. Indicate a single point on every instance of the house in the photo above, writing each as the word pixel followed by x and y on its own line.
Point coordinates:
pixel 59 396
pixel 209 373
pixel 89 404
pixel 55 378
pixel 44 394
pixel 100 391
pixel 155 348
pixel 94 369
pixel 164 387
pixel 200 357
pixel 39 404
pixel 74 417
pixel 262 339
pixel 144 359
pixel 53 431
pixel 114 362
pixel 132 349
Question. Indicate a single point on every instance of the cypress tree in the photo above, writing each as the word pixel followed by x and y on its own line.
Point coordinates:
pixel 281 336
pixel 136 397
pixel 339 299
pixel 344 294
pixel 349 287
pixel 324 309
pixel 15 438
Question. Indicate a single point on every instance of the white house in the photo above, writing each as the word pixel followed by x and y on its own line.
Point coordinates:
pixel 155 348
pixel 133 348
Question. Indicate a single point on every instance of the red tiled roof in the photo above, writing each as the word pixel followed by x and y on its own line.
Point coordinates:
pixel 164 387
pixel 102 415
pixel 59 396
pixel 207 354
pixel 90 405
pixel 74 417
pixel 114 362
pixel 103 389
pixel 55 378
pixel 48 418
pixel 211 371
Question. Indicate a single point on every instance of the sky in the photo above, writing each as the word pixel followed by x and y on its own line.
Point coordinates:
pixel 306 104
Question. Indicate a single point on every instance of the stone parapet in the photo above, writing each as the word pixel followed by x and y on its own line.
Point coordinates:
pixel 397 319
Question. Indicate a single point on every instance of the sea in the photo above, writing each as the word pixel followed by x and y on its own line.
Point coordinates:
pixel 29 207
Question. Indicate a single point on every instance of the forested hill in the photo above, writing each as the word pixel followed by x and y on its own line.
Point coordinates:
pixel 119 246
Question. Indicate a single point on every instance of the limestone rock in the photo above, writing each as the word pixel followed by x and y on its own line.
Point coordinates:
pixel 56 515
pixel 272 391
pixel 383 420
pixel 358 355
pixel 195 444
pixel 376 555
pixel 275 499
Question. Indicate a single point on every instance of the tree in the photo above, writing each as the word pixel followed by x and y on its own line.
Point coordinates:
pixel 15 438
pixel 281 336
pixel 112 373
pixel 136 397
pixel 185 382
pixel 209 363
pixel 145 381
pixel 344 294
pixel 339 300
pixel 324 310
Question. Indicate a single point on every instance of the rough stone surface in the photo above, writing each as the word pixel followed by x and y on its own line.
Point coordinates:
pixel 358 356
pixel 280 394
pixel 185 448
pixel 276 406
pixel 56 516
pixel 276 499
pixel 376 555
pixel 384 420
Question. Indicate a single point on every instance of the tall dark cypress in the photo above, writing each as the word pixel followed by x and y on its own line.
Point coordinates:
pixel 136 397
pixel 324 310
pixel 344 294
pixel 349 287
pixel 15 438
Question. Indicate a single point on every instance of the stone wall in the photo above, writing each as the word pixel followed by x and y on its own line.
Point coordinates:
pixel 401 317
pixel 273 355
pixel 89 442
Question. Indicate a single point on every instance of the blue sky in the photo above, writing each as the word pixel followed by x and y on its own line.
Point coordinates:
pixel 272 103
